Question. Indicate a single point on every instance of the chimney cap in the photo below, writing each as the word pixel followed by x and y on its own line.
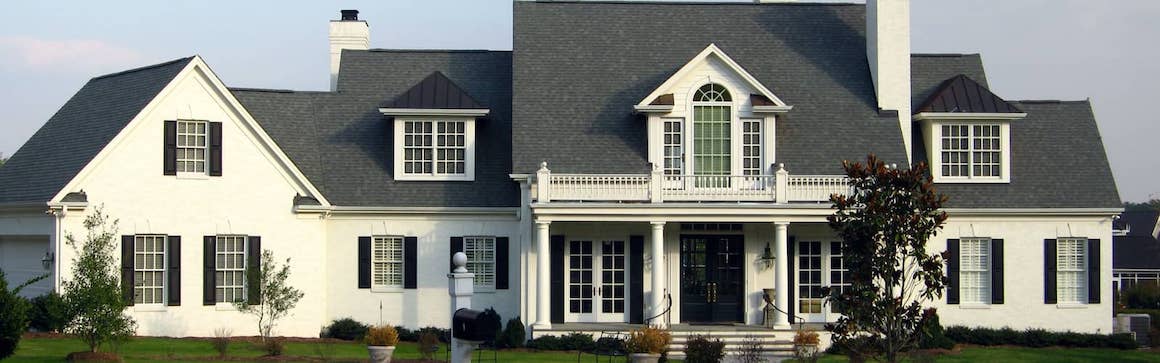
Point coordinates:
pixel 349 15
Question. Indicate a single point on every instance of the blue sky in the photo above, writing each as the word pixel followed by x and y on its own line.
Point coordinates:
pixel 1033 49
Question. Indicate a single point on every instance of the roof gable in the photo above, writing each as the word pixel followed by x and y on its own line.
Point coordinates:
pixel 961 94
pixel 435 92
pixel 658 96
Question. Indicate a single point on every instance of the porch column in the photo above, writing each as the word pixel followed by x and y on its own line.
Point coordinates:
pixel 543 277
pixel 656 300
pixel 781 281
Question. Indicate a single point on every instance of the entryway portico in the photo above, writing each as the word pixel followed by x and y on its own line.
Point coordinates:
pixel 715 261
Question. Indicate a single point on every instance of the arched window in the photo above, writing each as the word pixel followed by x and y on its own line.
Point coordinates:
pixel 712 116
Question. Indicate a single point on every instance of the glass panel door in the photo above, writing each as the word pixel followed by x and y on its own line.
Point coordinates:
pixel 819 265
pixel 612 281
pixel 597 281
pixel 580 281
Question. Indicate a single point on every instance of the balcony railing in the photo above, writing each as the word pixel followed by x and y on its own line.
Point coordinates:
pixel 657 187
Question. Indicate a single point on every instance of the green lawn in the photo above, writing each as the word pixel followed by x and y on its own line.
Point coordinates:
pixel 1052 355
pixel 192 350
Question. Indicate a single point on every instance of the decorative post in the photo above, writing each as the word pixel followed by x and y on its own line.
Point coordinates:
pixel 655 180
pixel 781 277
pixel 461 285
pixel 781 191
pixel 657 299
pixel 543 276
pixel 543 180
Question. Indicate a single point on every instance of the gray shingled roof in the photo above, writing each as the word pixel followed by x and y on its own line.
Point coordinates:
pixel 1135 252
pixel 929 71
pixel 79 130
pixel 344 145
pixel 581 66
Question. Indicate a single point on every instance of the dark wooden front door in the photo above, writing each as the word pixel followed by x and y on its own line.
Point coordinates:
pixel 712 278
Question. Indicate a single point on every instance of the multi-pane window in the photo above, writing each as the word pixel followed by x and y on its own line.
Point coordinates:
pixel 975 270
pixel 712 116
pixel 230 273
pixel 971 151
pixel 839 274
pixel 434 147
pixel 149 269
pixel 751 147
pixel 810 277
pixel 674 147
pixel 387 261
pixel 480 253
pixel 1071 270
pixel 191 146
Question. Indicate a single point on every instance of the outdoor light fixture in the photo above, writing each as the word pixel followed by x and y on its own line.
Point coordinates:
pixel 766 255
pixel 46 262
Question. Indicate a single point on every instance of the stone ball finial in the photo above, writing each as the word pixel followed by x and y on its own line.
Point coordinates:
pixel 459 260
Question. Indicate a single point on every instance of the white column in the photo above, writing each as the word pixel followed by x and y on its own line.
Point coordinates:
pixel 781 281
pixel 656 299
pixel 543 277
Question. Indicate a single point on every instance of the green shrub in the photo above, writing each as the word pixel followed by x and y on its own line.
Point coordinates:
pixel 574 341
pixel 346 329
pixel 933 336
pixel 443 335
pixel 407 335
pixel 699 349
pixel 513 334
pixel 1141 296
pixel 492 322
pixel 13 318
pixel 1038 338
pixel 49 313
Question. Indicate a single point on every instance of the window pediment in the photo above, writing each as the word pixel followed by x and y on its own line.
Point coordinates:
pixel 709 65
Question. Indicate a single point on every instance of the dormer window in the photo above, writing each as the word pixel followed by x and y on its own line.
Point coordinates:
pixel 712 116
pixel 968 138
pixel 971 150
pixel 434 131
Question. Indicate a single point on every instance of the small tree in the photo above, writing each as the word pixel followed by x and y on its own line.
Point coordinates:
pixel 885 223
pixel 93 296
pixel 275 297
pixel 13 314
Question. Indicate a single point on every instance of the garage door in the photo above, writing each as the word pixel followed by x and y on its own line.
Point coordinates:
pixel 20 259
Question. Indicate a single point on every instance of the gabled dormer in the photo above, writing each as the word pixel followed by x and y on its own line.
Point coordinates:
pixel 712 117
pixel 968 131
pixel 434 131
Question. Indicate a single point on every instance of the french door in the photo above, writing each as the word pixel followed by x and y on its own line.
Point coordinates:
pixel 819 264
pixel 712 279
pixel 596 280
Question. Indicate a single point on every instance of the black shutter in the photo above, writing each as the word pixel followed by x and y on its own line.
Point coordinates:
pixel 254 265
pixel 789 246
pixel 997 271
pixel 364 262
pixel 209 270
pixel 1093 270
pixel 215 149
pixel 557 278
pixel 173 249
pixel 169 152
pixel 127 269
pixel 456 246
pixel 410 262
pixel 1049 271
pixel 501 263
pixel 636 279
pixel 952 271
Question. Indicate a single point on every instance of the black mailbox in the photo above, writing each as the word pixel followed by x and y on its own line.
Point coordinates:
pixel 469 324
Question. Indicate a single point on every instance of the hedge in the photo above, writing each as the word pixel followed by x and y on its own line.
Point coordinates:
pixel 1037 338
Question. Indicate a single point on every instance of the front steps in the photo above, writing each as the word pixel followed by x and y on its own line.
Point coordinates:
pixel 771 345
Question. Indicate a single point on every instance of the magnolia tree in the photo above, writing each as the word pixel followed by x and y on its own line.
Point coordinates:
pixel 274 296
pixel 93 295
pixel 885 223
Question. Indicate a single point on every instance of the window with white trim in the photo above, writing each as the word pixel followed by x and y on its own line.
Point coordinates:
pixel 674 147
pixel 149 269
pixel 971 151
pixel 1071 270
pixel 387 261
pixel 230 270
pixel 480 253
pixel 975 270
pixel 435 148
pixel 751 147
pixel 191 146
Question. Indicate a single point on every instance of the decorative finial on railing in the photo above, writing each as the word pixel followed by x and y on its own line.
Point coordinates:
pixel 780 166
pixel 459 260
pixel 543 166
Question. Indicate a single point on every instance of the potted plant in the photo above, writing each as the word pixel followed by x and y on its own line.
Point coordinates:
pixel 646 345
pixel 381 341
pixel 805 345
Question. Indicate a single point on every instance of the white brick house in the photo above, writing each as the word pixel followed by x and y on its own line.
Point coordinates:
pixel 613 168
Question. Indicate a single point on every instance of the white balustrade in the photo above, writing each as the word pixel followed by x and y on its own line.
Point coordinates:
pixel 815 188
pixel 595 187
pixel 719 187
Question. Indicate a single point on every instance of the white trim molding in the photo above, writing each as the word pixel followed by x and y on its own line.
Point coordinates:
pixel 466 112
pixel 468 147
pixel 958 116
pixel 646 106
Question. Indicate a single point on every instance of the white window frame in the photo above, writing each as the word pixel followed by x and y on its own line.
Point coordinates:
pixel 469 145
pixel 381 274
pixel 479 257
pixel 977 250
pixel 932 129
pixel 222 256
pixel 184 148
pixel 1079 275
pixel 141 253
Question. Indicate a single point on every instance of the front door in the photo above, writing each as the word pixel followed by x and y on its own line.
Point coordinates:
pixel 819 264
pixel 712 278
pixel 597 273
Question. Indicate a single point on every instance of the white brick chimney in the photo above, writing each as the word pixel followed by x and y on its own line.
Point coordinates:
pixel 888 51
pixel 346 33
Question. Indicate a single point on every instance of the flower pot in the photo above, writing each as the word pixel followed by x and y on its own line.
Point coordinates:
pixel 644 357
pixel 380 354
pixel 805 350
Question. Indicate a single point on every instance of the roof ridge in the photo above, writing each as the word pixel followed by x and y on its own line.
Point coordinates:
pixel 272 90
pixel 138 69
pixel 943 55
pixel 391 50
pixel 1041 102
pixel 659 2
